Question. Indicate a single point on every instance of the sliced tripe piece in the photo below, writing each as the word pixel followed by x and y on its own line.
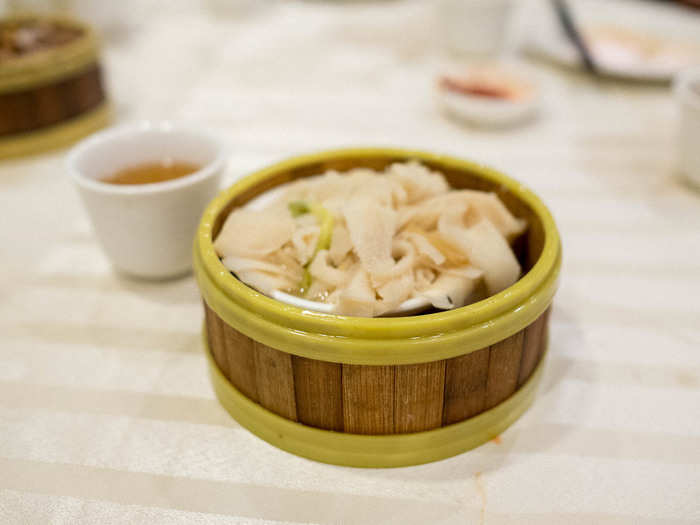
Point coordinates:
pixel 243 264
pixel 427 219
pixel 453 255
pixel 333 184
pixel 358 297
pixel 450 291
pixel 304 241
pixel 485 248
pixel 470 272
pixel 307 219
pixel 398 284
pixel 395 292
pixel 286 258
pixel 341 244
pixel 333 189
pixel 387 191
pixel 321 269
pixel 348 263
pixel 424 247
pixel 417 181
pixel 332 298
pixel 485 205
pixel 253 233
pixel 423 278
pixel 265 282
pixel 423 216
pixel 479 205
pixel 404 254
pixel 371 229
pixel 318 291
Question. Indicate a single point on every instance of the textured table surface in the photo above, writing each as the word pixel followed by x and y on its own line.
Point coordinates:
pixel 106 412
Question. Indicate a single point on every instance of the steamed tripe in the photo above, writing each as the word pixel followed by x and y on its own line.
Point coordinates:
pixel 367 241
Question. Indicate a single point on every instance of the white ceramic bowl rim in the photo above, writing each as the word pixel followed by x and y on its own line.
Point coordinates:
pixel 100 138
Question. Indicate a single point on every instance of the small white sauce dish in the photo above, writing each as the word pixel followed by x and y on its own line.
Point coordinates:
pixel 488 96
pixel 146 230
pixel 687 94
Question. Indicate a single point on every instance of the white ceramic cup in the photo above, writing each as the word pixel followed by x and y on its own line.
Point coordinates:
pixel 146 230
pixel 475 27
pixel 687 93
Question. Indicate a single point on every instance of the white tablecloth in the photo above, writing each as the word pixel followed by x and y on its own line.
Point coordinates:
pixel 106 411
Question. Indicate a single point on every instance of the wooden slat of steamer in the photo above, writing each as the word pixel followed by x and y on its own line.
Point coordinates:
pixel 368 399
pixel 49 104
pixel 8 107
pixel 504 369
pixel 545 332
pixel 531 348
pixel 274 379
pixel 215 338
pixel 72 90
pixel 22 114
pixel 87 89
pixel 240 354
pixel 465 386
pixel 319 393
pixel 418 396
pixel 7 124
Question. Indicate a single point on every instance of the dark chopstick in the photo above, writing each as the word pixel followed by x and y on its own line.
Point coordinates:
pixel 572 32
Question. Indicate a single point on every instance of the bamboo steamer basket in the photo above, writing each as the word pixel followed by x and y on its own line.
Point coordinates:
pixel 381 392
pixel 52 97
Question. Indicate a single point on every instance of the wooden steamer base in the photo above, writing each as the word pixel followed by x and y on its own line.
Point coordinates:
pixel 358 392
pixel 368 416
pixel 375 400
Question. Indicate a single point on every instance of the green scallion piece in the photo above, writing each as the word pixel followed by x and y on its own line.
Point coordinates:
pixel 326 221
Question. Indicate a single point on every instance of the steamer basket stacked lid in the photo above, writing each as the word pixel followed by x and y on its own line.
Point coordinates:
pixel 51 88
pixel 378 392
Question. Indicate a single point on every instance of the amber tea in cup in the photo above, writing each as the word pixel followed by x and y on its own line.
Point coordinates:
pixel 152 172
pixel 144 186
